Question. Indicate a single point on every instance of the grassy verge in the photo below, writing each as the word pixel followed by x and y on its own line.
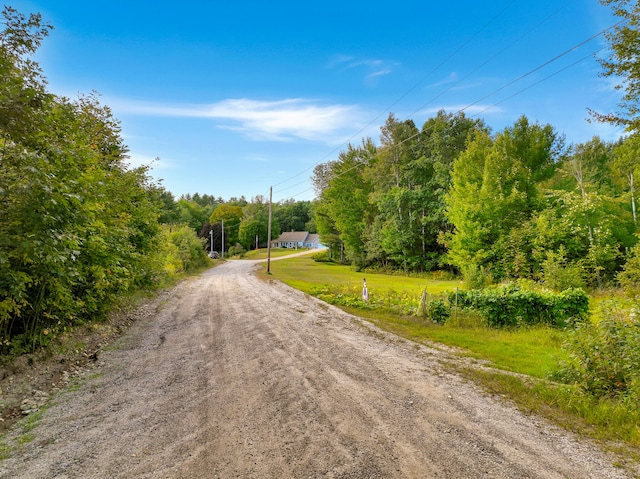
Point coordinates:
pixel 532 353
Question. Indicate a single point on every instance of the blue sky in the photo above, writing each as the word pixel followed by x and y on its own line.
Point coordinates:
pixel 235 97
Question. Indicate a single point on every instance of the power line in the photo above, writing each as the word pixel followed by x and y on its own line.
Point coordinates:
pixel 530 72
pixel 548 62
pixel 400 98
pixel 495 55
pixel 539 81
pixel 521 77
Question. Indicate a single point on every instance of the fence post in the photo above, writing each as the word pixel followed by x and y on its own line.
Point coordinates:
pixel 456 309
pixel 365 291
pixel 423 303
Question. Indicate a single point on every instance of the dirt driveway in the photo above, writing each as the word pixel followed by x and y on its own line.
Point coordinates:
pixel 238 378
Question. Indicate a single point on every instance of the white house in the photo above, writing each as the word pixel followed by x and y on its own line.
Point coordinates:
pixel 297 239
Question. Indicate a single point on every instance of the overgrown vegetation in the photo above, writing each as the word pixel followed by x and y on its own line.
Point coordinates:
pixel 604 361
pixel 79 228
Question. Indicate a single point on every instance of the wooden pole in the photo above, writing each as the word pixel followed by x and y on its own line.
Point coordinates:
pixel 269 233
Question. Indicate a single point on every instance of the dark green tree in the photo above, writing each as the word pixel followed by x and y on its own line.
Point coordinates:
pixel 78 228
pixel 293 215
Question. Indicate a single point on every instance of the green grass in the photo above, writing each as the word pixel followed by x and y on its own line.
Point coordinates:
pixel 532 353
pixel 304 273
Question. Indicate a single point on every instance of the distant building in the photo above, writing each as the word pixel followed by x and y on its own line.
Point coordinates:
pixel 297 239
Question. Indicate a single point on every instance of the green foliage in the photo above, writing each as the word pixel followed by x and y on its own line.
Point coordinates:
pixel 629 277
pixel 255 224
pixel 78 227
pixel 186 251
pixel 232 216
pixel 496 189
pixel 345 202
pixel 494 207
pixel 322 257
pixel 237 250
pixel 621 63
pixel 559 275
pixel 437 311
pixel 605 356
pixel 476 277
pixel 510 306
pixel 293 215
pixel 191 213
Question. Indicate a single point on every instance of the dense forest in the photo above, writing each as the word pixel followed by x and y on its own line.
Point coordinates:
pixel 79 227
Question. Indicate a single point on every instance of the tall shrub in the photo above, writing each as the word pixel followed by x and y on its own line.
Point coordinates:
pixel 605 357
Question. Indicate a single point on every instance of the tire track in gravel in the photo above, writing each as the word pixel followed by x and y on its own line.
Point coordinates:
pixel 241 378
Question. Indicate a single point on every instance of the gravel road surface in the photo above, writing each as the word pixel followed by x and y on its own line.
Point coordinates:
pixel 234 377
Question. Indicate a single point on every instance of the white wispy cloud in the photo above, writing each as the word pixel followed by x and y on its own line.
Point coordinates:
pixel 373 68
pixel 282 120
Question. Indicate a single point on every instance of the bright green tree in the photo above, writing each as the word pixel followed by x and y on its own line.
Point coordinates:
pixel 621 64
pixel 496 189
pixel 255 224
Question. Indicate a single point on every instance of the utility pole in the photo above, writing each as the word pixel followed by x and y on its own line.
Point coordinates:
pixel 211 234
pixel 222 251
pixel 269 233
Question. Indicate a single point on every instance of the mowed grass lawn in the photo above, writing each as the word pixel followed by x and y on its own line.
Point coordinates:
pixel 532 351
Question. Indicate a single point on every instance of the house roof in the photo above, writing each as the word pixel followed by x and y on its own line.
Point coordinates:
pixel 293 237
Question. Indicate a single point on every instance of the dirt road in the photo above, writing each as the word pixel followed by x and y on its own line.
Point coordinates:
pixel 237 378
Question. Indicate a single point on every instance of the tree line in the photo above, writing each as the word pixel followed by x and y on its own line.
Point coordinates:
pixel 520 203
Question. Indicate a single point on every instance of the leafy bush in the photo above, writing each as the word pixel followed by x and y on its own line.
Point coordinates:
pixel 559 274
pixel 437 311
pixel 605 357
pixel 185 253
pixel 237 250
pixel 512 306
pixel 629 277
pixel 322 257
